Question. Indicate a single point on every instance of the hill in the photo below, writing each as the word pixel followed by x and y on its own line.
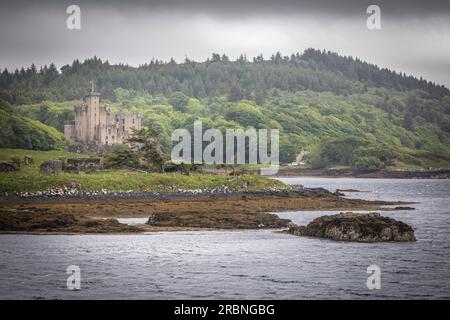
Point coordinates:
pixel 18 131
pixel 347 112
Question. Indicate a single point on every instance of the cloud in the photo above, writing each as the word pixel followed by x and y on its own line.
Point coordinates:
pixel 414 36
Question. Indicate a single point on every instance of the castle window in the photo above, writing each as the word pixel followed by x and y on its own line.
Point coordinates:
pixel 123 121
pixel 113 137
pixel 133 120
pixel 109 130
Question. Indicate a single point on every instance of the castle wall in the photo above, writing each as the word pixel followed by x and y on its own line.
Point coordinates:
pixel 69 131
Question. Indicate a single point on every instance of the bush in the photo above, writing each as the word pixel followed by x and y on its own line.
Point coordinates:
pixel 367 164
pixel 335 151
pixel 246 114
pixel 122 158
pixel 179 101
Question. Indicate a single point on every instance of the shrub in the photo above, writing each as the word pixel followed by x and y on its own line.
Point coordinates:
pixel 122 158
pixel 367 164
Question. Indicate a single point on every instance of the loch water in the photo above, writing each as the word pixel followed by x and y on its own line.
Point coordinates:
pixel 253 264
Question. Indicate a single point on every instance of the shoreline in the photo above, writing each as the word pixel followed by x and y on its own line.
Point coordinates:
pixel 169 212
pixel 350 173
pixel 172 195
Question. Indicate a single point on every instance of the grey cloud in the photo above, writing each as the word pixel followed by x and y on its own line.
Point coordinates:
pixel 246 7
pixel 414 36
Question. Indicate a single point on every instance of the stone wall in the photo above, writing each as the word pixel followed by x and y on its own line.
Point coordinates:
pixel 83 164
pixel 51 166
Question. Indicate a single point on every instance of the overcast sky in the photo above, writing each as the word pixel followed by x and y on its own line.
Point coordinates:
pixel 415 35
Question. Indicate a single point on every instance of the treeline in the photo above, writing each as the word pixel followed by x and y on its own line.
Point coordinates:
pixel 242 78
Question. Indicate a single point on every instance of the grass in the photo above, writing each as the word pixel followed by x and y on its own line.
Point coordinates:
pixel 29 179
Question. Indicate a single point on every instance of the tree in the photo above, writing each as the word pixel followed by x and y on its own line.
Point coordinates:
pixel 408 121
pixel 259 96
pixel 179 101
pixel 246 114
pixel 235 93
pixel 122 157
pixel 367 164
pixel 146 141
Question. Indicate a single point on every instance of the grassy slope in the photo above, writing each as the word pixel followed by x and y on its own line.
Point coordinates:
pixel 23 132
pixel 29 178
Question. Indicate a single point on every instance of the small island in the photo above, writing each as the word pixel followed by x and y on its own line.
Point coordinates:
pixel 356 227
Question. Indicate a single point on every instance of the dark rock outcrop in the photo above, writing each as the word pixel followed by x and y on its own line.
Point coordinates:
pixel 371 227
pixel 41 220
pixel 215 220
pixel 404 208
pixel 8 167
pixel 28 159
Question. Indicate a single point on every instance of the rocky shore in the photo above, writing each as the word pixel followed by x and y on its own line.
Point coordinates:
pixel 73 191
pixel 82 213
pixel 348 226
pixel 34 220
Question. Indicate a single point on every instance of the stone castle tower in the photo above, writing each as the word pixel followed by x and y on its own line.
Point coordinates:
pixel 95 124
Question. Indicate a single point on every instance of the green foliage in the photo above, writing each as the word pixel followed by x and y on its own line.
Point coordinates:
pixel 246 114
pixel 146 142
pixel 21 132
pixel 367 164
pixel 122 158
pixel 340 150
pixel 50 113
pixel 314 70
pixel 319 101
pixel 179 101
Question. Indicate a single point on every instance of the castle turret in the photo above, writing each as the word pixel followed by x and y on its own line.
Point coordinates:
pixel 92 103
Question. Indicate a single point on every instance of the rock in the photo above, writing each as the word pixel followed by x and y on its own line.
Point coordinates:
pixel 215 220
pixel 313 192
pixel 51 166
pixel 8 167
pixel 28 159
pixel 404 208
pixel 371 227
pixel 348 190
pixel 35 220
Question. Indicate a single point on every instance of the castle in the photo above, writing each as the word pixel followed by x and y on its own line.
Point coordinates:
pixel 95 124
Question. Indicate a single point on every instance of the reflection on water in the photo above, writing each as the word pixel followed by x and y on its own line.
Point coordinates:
pixel 132 221
pixel 244 264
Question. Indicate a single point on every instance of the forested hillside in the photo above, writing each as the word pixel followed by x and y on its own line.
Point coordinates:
pixel 345 111
pixel 21 132
pixel 240 79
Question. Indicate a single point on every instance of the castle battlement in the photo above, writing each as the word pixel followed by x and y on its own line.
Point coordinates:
pixel 98 124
